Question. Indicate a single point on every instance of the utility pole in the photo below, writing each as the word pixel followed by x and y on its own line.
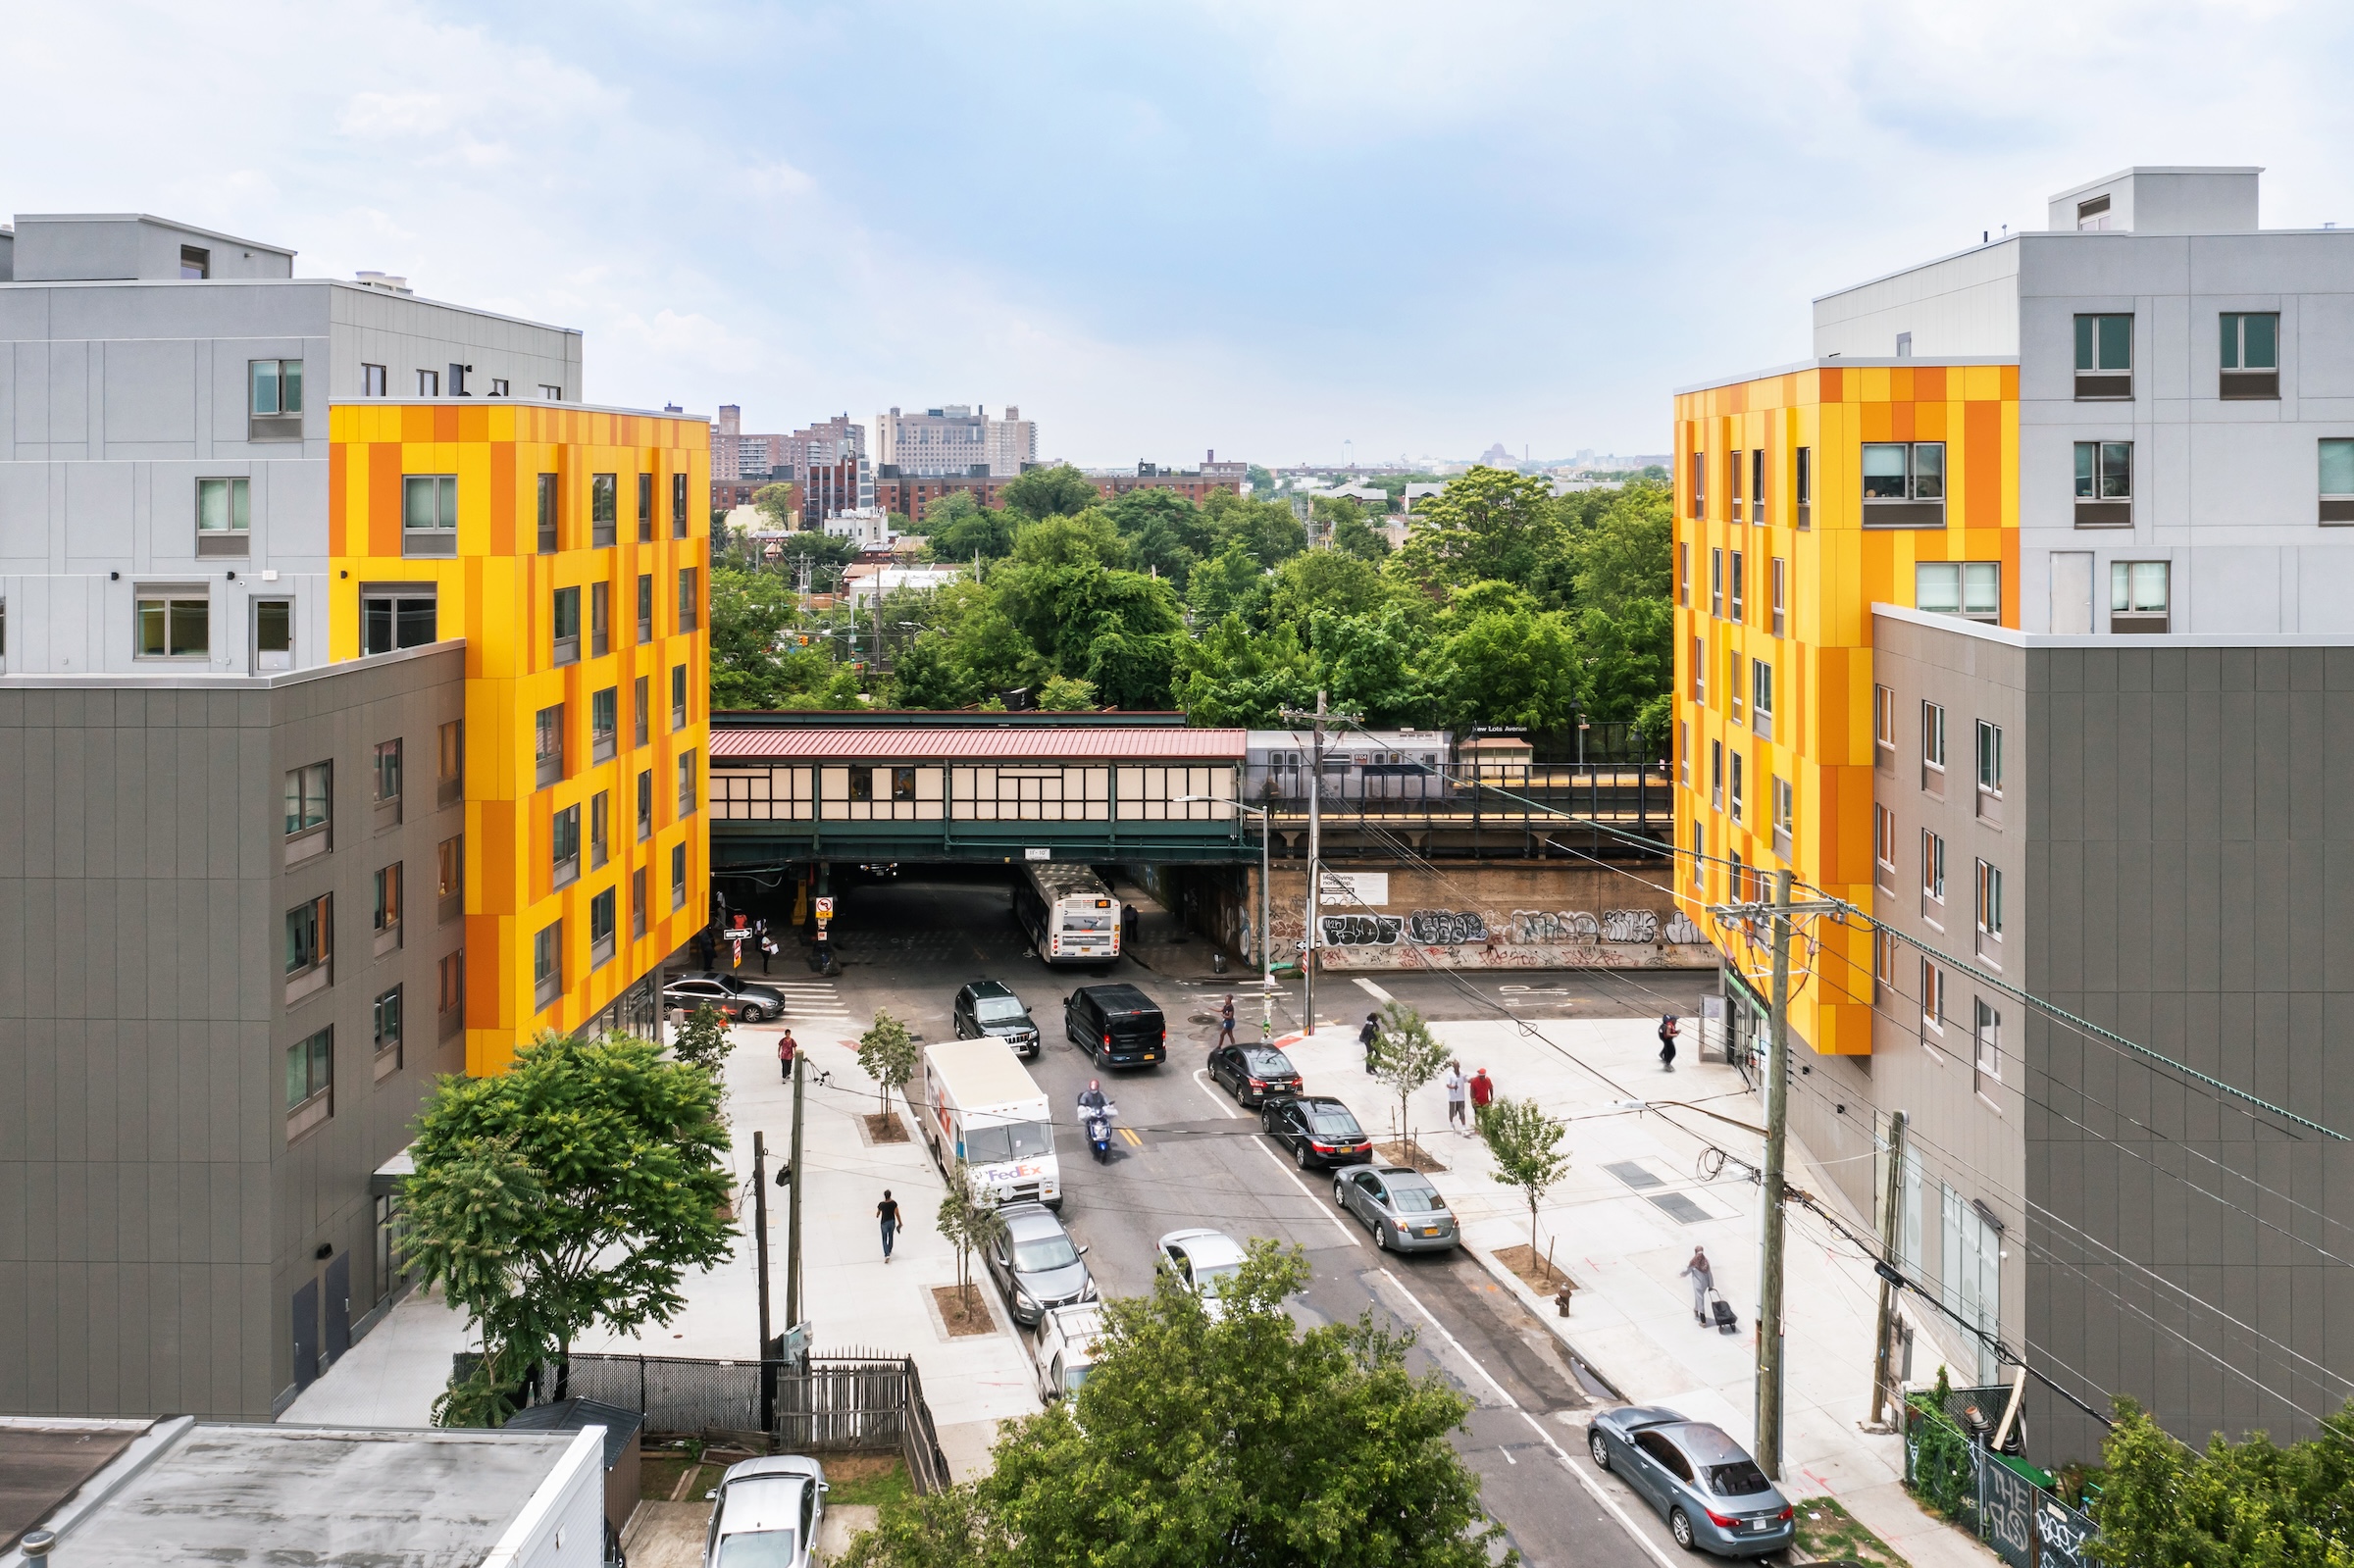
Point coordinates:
pixel 760 1228
pixel 1769 1446
pixel 1883 1384
pixel 793 1201
pixel 1315 845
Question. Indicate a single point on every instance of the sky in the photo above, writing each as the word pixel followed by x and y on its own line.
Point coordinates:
pixel 1293 230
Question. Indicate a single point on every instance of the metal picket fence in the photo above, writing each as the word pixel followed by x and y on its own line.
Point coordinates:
pixel 2005 1502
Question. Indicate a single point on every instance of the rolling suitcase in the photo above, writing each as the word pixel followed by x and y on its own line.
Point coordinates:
pixel 1721 1312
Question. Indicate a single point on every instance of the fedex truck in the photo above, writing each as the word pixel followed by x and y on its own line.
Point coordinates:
pixel 977 1103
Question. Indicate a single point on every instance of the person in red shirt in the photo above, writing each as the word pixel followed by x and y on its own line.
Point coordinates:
pixel 1483 1089
pixel 784 1049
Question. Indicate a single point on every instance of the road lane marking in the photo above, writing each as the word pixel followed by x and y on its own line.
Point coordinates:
pixel 1129 1133
pixel 1352 1236
pixel 1373 991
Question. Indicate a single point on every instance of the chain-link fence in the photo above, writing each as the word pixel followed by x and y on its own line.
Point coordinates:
pixel 2005 1502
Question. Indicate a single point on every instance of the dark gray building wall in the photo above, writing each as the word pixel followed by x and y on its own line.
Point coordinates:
pixel 154 1218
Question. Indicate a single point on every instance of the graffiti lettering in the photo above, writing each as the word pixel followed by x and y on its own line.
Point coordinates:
pixel 1445 927
pixel 1549 926
pixel 1358 931
pixel 1630 926
pixel 1681 930
pixel 2065 1531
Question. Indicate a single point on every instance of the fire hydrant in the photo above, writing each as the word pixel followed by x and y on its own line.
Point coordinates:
pixel 1561 1299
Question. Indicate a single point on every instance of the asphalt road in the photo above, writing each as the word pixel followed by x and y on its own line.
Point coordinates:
pixel 1189 1156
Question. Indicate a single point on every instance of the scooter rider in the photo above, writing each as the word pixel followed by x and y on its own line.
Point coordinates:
pixel 1094 1110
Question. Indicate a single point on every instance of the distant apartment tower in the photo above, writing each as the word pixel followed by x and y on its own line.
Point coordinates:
pixel 736 455
pixel 954 438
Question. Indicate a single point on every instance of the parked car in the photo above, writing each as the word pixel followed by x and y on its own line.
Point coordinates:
pixel 1118 1025
pixel 1063 1350
pixel 737 999
pixel 766 1513
pixel 988 1007
pixel 1201 1261
pixel 1399 1205
pixel 1254 1074
pixel 1319 1131
pixel 1037 1264
pixel 1713 1495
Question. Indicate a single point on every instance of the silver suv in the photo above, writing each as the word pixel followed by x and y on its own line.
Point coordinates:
pixel 766 1513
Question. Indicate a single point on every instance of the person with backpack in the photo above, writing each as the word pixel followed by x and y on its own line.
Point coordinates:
pixel 1669 1028
pixel 1370 1037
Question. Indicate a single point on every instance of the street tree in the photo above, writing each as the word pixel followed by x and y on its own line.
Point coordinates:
pixel 2249 1504
pixel 968 1221
pixel 1198 1441
pixel 776 506
pixel 1526 1144
pixel 1044 493
pixel 888 1053
pixel 750 612
pixel 703 1040
pixel 1411 1056
pixel 572 1190
pixel 1489 524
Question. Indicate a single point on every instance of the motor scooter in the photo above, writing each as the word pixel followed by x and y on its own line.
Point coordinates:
pixel 1099 1131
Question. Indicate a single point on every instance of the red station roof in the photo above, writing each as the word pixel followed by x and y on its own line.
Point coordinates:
pixel 1023 745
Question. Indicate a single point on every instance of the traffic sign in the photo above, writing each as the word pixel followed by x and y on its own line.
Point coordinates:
pixel 1038 854
pixel 825 909
pixel 1301 945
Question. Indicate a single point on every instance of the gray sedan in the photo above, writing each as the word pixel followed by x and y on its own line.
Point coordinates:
pixel 1713 1495
pixel 1399 1205
pixel 1037 1265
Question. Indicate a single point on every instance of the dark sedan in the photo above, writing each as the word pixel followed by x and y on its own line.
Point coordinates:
pixel 1713 1495
pixel 1319 1131
pixel 737 999
pixel 1254 1074
pixel 1036 1263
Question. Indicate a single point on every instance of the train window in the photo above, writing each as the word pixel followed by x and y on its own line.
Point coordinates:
pixel 903 783
pixel 862 783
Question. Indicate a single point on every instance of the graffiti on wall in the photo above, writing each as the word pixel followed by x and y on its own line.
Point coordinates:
pixel 1550 926
pixel 1681 931
pixel 1446 928
pixel 1528 935
pixel 1361 931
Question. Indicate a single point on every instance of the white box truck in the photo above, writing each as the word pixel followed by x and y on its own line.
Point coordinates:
pixel 977 1103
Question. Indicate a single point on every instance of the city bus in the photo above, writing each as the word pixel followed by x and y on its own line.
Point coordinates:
pixel 1069 916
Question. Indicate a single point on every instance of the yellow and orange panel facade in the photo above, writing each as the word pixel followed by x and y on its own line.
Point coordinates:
pixel 569 547
pixel 1782 546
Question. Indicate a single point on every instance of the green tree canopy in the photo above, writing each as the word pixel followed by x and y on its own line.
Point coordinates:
pixel 1266 529
pixel 750 612
pixel 1508 667
pixel 969 530
pixel 1372 666
pixel 2250 1504
pixel 1526 1143
pixel 1243 1438
pixel 1327 581
pixel 1044 493
pixel 777 506
pixel 1230 583
pixel 1489 524
pixel 1234 676
pixel 1062 540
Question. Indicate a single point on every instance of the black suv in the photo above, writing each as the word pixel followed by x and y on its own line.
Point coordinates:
pixel 990 1007
pixel 1118 1025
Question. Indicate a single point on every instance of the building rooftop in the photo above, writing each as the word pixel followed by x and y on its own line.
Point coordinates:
pixel 1040 742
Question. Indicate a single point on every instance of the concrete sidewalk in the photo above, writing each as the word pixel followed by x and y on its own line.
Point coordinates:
pixel 1631 1315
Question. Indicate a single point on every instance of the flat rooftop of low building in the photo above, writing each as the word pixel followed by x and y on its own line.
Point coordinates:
pixel 43 1463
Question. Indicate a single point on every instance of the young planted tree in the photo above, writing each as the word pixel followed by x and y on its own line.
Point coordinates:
pixel 888 1053
pixel 968 1221
pixel 702 1040
pixel 575 1189
pixel 1526 1143
pixel 1411 1056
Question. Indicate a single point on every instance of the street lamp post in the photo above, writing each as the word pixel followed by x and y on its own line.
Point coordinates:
pixel 1267 952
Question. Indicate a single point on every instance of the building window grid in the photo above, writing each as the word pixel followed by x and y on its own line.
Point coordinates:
pixel 547 965
pixel 1990 758
pixel 1733 786
pixel 1883 717
pixel 1932 735
pixel 1757 484
pixel 174 624
pixel 646 805
pixel 1933 998
pixel 1932 867
pixel 677 506
pixel 1987 1046
pixel 311 1070
pixel 1683 574
pixel 645 608
pixel 1779 605
pixel 429 514
pixel 565 626
pixel 677 696
pixel 1990 901
pixel 2104 358
pixel 2250 354
pixel 1732 683
pixel 604 723
pixel 645 509
pixel 1716 584
pixel 564 846
pixel 550 496
pixel 385 1025
pixel 601 619
pixel 548 729
pixel 605 508
pixel 1972 590
pixel 1737 609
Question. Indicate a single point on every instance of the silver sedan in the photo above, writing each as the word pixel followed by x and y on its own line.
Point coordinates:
pixel 1399 1205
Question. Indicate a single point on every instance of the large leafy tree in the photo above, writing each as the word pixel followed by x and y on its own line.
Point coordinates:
pixel 1231 581
pixel 1266 529
pixel 1044 492
pixel 2251 1504
pixel 1488 525
pixel 1327 581
pixel 750 612
pixel 1234 676
pixel 1372 665
pixel 1195 1441
pixel 573 1191
pixel 1512 667
pixel 961 527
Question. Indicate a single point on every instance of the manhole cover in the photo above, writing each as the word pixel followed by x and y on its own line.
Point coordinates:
pixel 1679 1208
pixel 1201 1018
pixel 1633 1175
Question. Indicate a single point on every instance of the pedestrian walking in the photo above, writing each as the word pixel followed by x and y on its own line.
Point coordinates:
pixel 1704 1279
pixel 1226 1021
pixel 1482 1091
pixel 1370 1037
pixel 889 1213
pixel 1458 1088
pixel 786 1047
pixel 1669 1028
pixel 768 950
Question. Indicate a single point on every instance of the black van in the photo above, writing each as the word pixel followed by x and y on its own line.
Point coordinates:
pixel 1118 1025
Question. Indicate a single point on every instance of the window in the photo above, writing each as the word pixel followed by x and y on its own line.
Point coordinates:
pixel 387 770
pixel 2251 355
pixel 604 722
pixel 638 701
pixel 1716 582
pixel 1802 485
pixel 449 767
pixel 678 877
pixel 1700 484
pixel 1733 791
pixel 1700 671
pixel 687 783
pixel 2104 485
pixel 553 394
pixel 450 975
pixel 1883 847
pixel 498 386
pixel 1973 1284
pixel 604 508
pixel 1781 605
pixel 2104 357
pixel 1732 487
pixel 677 696
pixel 1990 902
pixel 397 615
pixel 645 608
pixel 1904 484
pixel 550 494
pixel 600 928
pixel 1883 959
pixel 223 515
pixel 1883 717
pixel 548 965
pixel 310 1071
pixel 309 801
pixel 567 625
pixel 1933 997
pixel 646 805
pixel 1785 816
pixel 1932 735
pixel 1973 589
pixel 1683 754
pixel 1732 682
pixel 1932 867
pixel 175 624
pixel 1986 1047
pixel 1698 855
pixel 1717 774
pixel 677 506
pixel 385 1025
pixel 638 903
pixel 903 783
pixel 1683 575
pixel 2337 481
pixel 1739 589
pixel 372 380
pixel 272 634
pixel 428 384
pixel 2092 215
pixel 310 947
pixel 449 876
pixel 1761 698
pixel 275 396
pixel 564 846
pixel 1757 486
pixel 645 509
pixel 600 617
pixel 2138 595
pixel 690 599
pixel 429 514
pixel 385 920
pixel 1990 758
pixel 600 833
pixel 548 742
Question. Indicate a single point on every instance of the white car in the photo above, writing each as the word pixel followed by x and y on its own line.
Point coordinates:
pixel 1065 1348
pixel 766 1513
pixel 1201 1261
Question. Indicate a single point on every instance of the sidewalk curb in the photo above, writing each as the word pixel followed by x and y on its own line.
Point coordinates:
pixel 1537 1305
